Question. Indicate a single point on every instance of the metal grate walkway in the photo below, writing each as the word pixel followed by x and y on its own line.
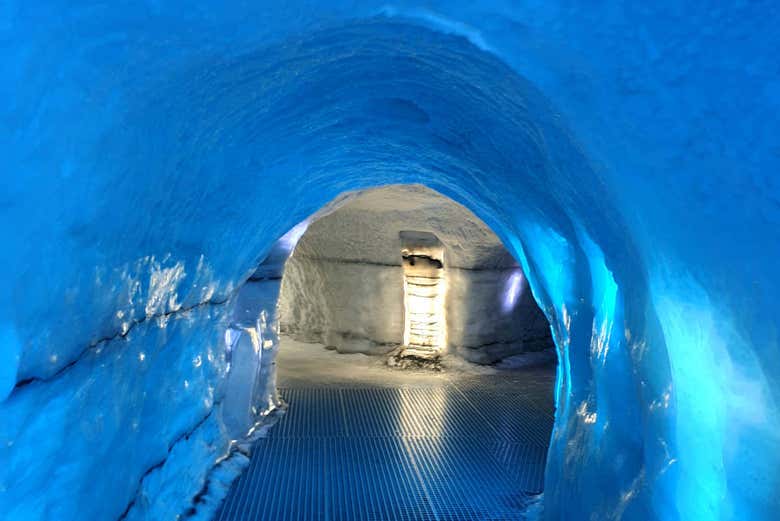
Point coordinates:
pixel 471 449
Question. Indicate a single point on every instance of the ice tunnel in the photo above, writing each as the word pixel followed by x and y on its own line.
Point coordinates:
pixel 158 156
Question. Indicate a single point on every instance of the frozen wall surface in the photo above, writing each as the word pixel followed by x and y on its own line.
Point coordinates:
pixel 343 286
pixel 626 153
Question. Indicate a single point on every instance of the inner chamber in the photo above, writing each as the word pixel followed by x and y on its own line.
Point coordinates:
pixel 405 267
pixel 416 369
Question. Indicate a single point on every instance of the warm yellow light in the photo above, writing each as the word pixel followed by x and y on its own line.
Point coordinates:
pixel 424 313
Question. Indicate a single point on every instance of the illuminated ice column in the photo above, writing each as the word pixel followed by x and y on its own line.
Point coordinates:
pixel 424 294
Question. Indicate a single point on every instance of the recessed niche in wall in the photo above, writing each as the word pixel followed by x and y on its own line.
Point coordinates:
pixel 424 294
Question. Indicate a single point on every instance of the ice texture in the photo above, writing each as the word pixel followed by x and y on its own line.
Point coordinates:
pixel 626 154
pixel 343 286
pixel 76 446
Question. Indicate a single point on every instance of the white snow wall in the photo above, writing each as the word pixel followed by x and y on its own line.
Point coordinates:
pixel 626 154
pixel 343 285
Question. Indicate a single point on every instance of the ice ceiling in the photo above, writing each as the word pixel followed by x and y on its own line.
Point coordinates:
pixel 626 156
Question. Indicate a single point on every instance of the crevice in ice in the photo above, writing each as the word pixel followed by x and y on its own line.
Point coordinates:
pixel 160 463
pixel 335 260
pixel 99 343
pixel 210 495
pixel 511 341
pixel 253 278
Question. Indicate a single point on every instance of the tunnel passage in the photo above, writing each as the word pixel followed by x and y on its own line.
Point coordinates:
pixel 154 158
pixel 384 422
pixel 268 152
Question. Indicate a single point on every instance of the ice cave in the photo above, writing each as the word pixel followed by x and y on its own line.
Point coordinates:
pixel 419 260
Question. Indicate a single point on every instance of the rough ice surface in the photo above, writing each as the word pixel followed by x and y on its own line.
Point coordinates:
pixel 625 154
pixel 123 409
pixel 343 285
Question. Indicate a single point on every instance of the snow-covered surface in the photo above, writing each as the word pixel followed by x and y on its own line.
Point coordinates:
pixel 354 307
pixel 366 229
pixel 343 285
pixel 625 153
pixel 304 364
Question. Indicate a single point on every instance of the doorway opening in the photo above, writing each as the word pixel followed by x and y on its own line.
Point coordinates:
pixel 375 284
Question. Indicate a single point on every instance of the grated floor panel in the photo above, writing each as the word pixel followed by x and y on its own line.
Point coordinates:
pixel 460 450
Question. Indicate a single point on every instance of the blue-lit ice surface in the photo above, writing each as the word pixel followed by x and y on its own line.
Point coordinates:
pixel 153 153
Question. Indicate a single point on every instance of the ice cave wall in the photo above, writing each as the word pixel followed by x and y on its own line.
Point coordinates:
pixel 343 286
pixel 625 153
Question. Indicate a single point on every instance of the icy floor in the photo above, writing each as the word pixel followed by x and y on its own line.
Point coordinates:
pixel 361 441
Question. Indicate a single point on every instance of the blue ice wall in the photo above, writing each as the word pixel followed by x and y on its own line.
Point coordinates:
pixel 626 154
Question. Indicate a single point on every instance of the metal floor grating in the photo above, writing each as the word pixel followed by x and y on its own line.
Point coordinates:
pixel 474 449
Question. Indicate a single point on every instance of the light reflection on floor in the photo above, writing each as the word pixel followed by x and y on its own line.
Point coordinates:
pixel 462 445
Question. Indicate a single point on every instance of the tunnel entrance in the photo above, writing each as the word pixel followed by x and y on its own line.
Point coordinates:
pixel 385 276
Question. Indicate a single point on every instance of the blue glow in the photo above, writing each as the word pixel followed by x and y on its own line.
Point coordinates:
pixel 552 264
pixel 154 153
pixel 290 239
pixel 513 290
